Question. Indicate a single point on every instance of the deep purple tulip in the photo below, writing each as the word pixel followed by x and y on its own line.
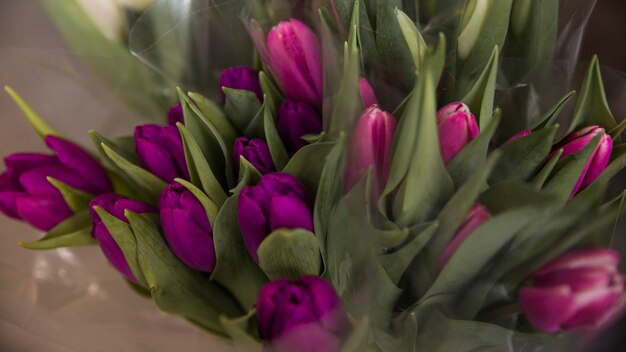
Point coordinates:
pixel 242 78
pixel 301 315
pixel 116 206
pixel 521 134
pixel 294 120
pixel 256 152
pixel 598 161
pixel 295 60
pixel 580 290
pixel 160 149
pixel 26 193
pixel 175 114
pixel 477 215
pixel 368 97
pixel 186 227
pixel 456 127
pixel 371 147
pixel 279 200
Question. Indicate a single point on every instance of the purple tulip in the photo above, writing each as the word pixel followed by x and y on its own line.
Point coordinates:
pixel 598 161
pixel 477 216
pixel 256 152
pixel 294 120
pixel 295 60
pixel 26 193
pixel 523 133
pixel 279 200
pixel 371 147
pixel 456 127
pixel 186 227
pixel 301 315
pixel 580 290
pixel 116 206
pixel 242 78
pixel 368 97
pixel 175 114
pixel 160 149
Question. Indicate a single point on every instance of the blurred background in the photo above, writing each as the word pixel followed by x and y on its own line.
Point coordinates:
pixel 67 300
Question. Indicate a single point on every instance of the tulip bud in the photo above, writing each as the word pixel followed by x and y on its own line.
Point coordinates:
pixel 471 26
pixel 26 193
pixel 294 120
pixel 186 228
pixel 295 60
pixel 301 315
pixel 368 97
pixel 279 200
pixel 175 114
pixel 116 206
pixel 456 127
pixel 477 215
pixel 523 133
pixel 598 161
pixel 256 152
pixel 242 78
pixel 580 290
pixel 160 149
pixel 371 147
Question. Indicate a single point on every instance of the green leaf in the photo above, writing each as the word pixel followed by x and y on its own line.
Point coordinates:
pixel 393 50
pixel 73 231
pixel 289 254
pixel 397 262
pixel 175 287
pixel 523 157
pixel 480 96
pixel 547 169
pixel 472 155
pixel 209 206
pixel 591 105
pixel 238 329
pixel 271 94
pixel 214 116
pixel 151 185
pixel 418 176
pixel 275 144
pixel 40 126
pixel 199 169
pixel 415 42
pixel 248 175
pixel 241 106
pixel 235 268
pixel 123 235
pixel 616 165
pixel 552 114
pixel 76 199
pixel 357 341
pixel 305 164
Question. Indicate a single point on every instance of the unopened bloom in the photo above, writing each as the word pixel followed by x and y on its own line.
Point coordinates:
pixel 256 152
pixel 295 60
pixel 598 161
pixel 160 149
pixel 456 127
pixel 368 97
pixel 580 290
pixel 301 315
pixel 26 193
pixel 279 200
pixel 242 78
pixel 175 115
pixel 186 228
pixel 294 120
pixel 371 147
pixel 477 215
pixel 116 206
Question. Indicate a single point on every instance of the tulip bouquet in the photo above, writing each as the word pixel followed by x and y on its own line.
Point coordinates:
pixel 360 187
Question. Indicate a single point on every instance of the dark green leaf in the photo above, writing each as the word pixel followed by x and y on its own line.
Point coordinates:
pixel 480 97
pixel 40 126
pixel 241 106
pixel 307 164
pixel 289 254
pixel 73 231
pixel 552 114
pixel 275 144
pixel 76 199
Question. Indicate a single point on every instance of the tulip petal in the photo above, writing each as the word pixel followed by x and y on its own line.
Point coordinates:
pixel 252 221
pixel 327 305
pixel 157 160
pixel 112 251
pixel 43 212
pixel 191 243
pixel 307 338
pixel 547 308
pixel 594 258
pixel 35 181
pixel 368 97
pixel 592 307
pixel 8 205
pixel 477 215
pixel 578 279
pixel 598 161
pixel 289 212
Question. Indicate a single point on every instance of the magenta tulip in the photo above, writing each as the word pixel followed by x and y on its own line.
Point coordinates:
pixel 477 216
pixel 368 97
pixel 242 78
pixel 456 127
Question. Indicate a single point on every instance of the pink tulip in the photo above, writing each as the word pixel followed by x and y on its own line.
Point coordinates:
pixel 580 290
pixel 456 127
pixel 477 215
pixel 524 133
pixel 368 97
pixel 295 60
